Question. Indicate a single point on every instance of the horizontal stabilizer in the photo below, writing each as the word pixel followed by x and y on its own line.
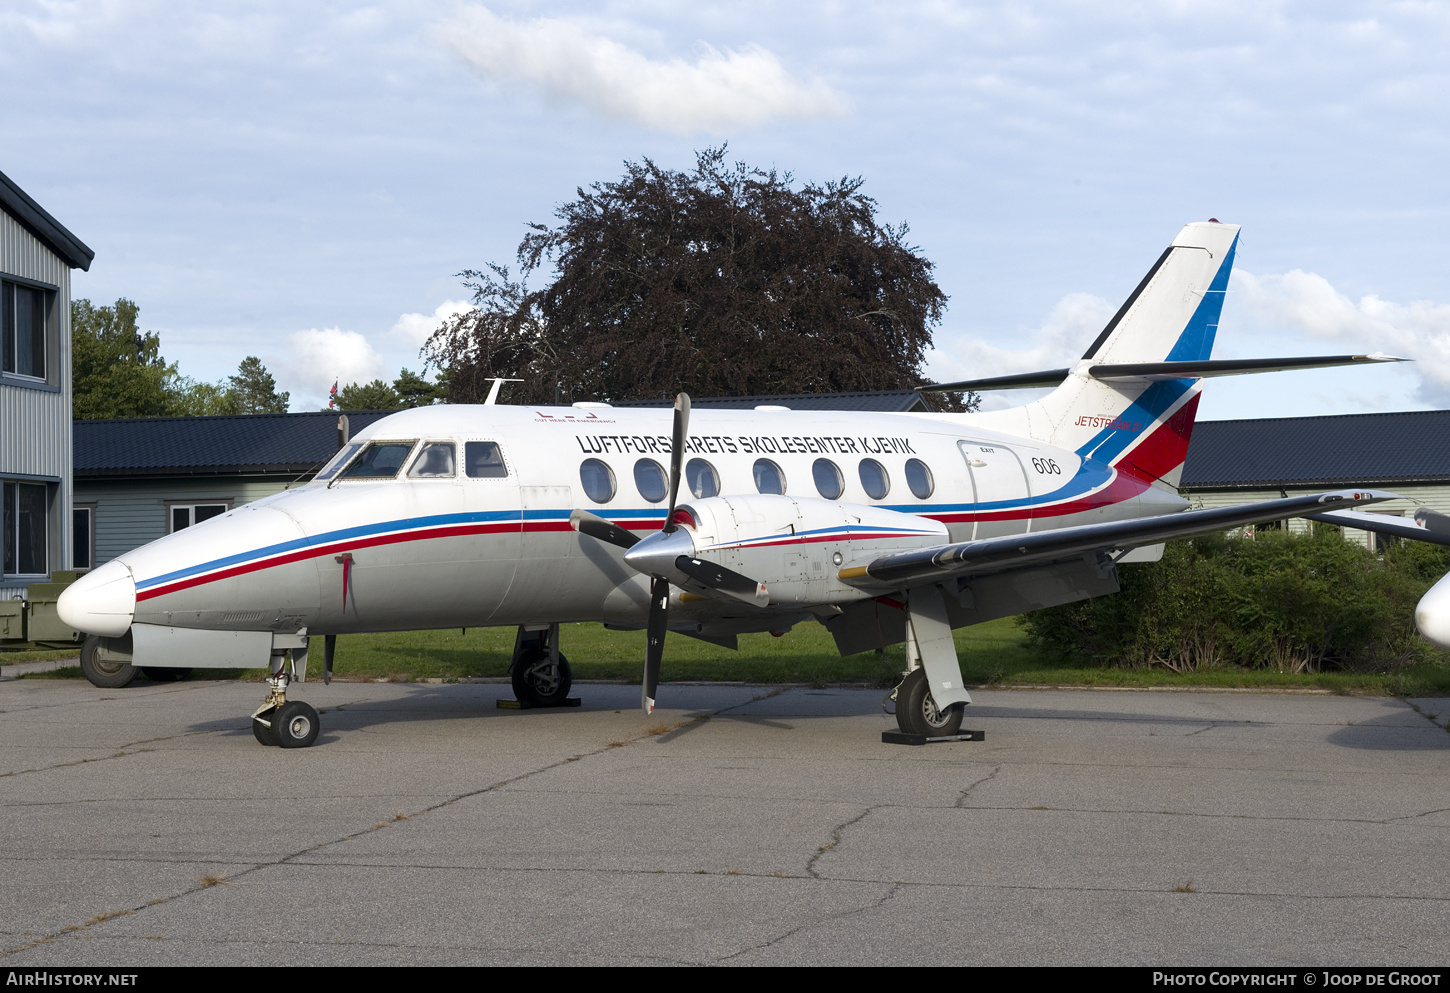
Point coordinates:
pixel 1433 527
pixel 989 555
pixel 1141 372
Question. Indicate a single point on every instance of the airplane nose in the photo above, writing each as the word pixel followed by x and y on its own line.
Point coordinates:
pixel 1432 613
pixel 101 602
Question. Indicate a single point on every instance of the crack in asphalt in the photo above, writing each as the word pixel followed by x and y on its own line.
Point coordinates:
pixel 836 837
pixel 890 895
pixel 1429 717
pixel 123 753
pixel 962 798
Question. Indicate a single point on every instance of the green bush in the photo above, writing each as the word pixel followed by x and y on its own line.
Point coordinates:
pixel 1278 600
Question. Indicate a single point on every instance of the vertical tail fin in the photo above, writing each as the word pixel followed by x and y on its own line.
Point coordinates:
pixel 1144 427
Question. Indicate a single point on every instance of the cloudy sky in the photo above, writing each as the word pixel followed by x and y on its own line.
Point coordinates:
pixel 302 181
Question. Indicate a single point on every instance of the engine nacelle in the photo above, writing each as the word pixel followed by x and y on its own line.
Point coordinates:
pixel 796 546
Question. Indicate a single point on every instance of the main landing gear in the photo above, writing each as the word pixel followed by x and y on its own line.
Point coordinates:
pixel 279 721
pixel 930 698
pixel 540 672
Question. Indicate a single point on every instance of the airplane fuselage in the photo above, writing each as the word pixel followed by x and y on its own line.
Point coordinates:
pixel 491 543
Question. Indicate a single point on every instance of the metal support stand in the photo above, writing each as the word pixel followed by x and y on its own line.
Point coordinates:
pixel 902 738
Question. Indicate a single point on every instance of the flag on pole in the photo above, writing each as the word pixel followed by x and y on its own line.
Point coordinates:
pixel 332 396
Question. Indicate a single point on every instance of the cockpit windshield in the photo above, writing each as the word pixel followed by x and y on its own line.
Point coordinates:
pixel 381 460
pixel 338 461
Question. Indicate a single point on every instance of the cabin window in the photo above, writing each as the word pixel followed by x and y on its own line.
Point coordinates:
pixel 874 479
pixel 484 460
pixel 382 460
pixel 435 461
pixel 829 483
pixel 598 480
pixel 768 477
pixel 702 478
pixel 918 479
pixel 184 515
pixel 23 507
pixel 650 480
pixel 339 460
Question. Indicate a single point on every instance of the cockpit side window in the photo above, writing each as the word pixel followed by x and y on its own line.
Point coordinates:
pixel 381 460
pixel 435 461
pixel 339 460
pixel 483 460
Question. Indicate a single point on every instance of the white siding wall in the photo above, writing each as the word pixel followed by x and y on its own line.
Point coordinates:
pixel 1436 497
pixel 35 425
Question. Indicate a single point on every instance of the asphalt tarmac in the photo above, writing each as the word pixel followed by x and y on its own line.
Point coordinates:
pixel 738 825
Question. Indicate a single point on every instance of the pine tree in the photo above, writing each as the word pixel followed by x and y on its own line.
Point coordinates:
pixel 254 389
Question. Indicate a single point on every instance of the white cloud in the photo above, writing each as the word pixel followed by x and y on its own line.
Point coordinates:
pixel 1061 339
pixel 321 356
pixel 1308 303
pixel 415 329
pixel 719 91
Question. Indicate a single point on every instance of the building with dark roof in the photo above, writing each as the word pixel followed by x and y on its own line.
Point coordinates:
pixel 138 479
pixel 37 254
pixel 1407 452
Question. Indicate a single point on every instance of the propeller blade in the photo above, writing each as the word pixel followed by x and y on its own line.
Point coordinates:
pixel 654 650
pixel 677 455
pixel 597 527
pixel 717 577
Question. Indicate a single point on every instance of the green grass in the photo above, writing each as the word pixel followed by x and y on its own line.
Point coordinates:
pixel 995 653
pixel 39 655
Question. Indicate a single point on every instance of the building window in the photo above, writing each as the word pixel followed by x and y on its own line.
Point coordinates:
pixel 24 313
pixel 83 529
pixel 184 515
pixel 24 515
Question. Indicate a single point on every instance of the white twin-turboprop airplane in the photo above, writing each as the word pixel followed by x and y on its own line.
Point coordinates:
pixel 887 528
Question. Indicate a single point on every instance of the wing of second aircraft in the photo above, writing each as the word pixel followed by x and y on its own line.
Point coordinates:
pixel 989 555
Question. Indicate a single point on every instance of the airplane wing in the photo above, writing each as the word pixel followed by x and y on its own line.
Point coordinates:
pixel 989 555
pixel 1428 526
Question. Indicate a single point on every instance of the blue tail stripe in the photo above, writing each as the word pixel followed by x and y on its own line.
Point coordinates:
pixel 1196 341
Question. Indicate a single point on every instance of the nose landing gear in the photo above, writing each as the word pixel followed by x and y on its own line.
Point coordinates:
pixel 279 721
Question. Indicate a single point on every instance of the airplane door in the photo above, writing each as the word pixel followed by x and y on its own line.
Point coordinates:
pixel 491 491
pixel 544 584
pixel 999 488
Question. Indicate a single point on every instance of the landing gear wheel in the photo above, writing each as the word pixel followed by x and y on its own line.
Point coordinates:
pixel 266 735
pixel 164 673
pixel 537 682
pixel 917 713
pixel 106 674
pixel 295 724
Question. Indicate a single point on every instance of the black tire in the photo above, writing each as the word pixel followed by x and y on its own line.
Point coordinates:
pixel 296 724
pixel 164 673
pixel 535 682
pixel 266 735
pixel 916 711
pixel 106 675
